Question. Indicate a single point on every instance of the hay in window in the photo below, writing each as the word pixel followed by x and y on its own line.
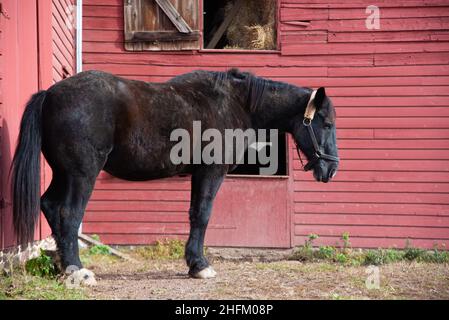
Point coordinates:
pixel 254 27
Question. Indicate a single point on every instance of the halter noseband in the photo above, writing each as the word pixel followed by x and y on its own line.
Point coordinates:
pixel 307 122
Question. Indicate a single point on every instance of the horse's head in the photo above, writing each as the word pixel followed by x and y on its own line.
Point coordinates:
pixel 315 135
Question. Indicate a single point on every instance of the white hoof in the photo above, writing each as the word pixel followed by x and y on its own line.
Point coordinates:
pixel 206 273
pixel 81 277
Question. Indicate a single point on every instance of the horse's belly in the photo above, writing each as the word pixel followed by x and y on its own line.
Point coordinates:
pixel 142 166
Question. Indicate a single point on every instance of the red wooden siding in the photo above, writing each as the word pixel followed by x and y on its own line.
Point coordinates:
pixel 34 45
pixel 19 70
pixel 63 44
pixel 392 98
pixel 390 87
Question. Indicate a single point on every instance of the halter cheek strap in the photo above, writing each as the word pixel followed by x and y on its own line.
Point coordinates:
pixel 310 109
pixel 309 114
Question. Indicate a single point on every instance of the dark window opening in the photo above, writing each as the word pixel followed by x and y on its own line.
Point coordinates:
pixel 240 24
pixel 254 169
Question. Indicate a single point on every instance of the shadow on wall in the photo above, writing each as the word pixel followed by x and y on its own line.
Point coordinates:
pixel 7 238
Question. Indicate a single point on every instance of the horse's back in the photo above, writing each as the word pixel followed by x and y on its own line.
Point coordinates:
pixel 103 118
pixel 127 124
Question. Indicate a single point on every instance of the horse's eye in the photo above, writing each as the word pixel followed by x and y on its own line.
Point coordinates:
pixel 327 125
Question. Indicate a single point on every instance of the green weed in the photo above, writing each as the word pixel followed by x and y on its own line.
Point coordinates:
pixel 345 255
pixel 42 266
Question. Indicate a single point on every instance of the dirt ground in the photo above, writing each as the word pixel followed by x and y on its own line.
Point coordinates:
pixel 265 277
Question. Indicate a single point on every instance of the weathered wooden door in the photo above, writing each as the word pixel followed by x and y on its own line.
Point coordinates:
pixel 168 25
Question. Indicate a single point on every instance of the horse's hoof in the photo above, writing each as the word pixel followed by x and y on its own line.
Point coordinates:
pixel 206 273
pixel 83 277
pixel 88 278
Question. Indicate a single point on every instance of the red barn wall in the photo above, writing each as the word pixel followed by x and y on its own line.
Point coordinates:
pixel 19 47
pixel 390 88
pixel 35 42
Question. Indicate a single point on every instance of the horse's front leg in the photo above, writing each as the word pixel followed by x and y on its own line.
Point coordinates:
pixel 206 181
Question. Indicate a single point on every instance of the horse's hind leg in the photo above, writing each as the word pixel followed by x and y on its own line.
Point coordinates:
pixel 205 183
pixel 63 205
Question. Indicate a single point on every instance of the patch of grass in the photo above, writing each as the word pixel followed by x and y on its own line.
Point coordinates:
pixel 42 266
pixel 414 253
pixel 438 256
pixel 346 241
pixel 341 258
pixel 99 249
pixel 345 255
pixel 95 237
pixel 37 279
pixel 24 286
pixel 166 250
pixel 382 256
pixel 305 252
pixel 434 256
pixel 91 258
pixel 326 253
pixel 97 254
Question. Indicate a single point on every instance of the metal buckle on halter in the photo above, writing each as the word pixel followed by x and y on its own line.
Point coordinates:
pixel 307 122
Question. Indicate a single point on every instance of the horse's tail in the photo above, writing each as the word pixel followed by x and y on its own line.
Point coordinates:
pixel 25 170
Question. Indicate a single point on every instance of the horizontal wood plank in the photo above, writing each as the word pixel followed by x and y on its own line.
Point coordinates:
pixel 371 220
pixel 375 231
pixel 356 208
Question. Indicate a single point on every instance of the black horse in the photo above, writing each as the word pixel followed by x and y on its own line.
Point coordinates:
pixel 96 121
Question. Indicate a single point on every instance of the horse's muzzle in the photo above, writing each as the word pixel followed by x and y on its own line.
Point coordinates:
pixel 323 171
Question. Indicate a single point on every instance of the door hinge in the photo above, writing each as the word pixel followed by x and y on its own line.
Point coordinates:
pixel 3 12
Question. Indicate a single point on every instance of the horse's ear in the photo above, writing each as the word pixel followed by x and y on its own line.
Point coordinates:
pixel 237 74
pixel 319 97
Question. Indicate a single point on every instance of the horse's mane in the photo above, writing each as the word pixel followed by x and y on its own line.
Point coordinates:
pixel 255 86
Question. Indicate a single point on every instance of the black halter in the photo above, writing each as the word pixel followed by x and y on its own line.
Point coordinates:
pixel 317 154
pixel 307 122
